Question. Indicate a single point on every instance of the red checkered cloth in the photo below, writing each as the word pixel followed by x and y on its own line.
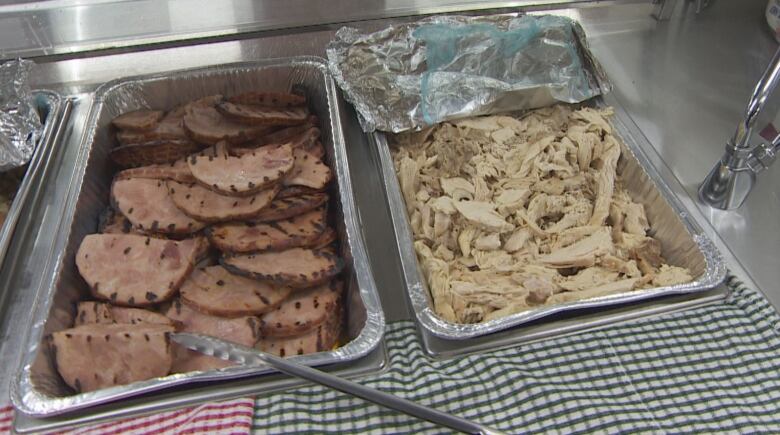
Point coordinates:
pixel 229 417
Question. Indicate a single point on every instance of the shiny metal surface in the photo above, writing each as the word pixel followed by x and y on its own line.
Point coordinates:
pixel 682 240
pixel 49 107
pixel 248 356
pixel 66 27
pixel 732 178
pixel 684 82
pixel 651 65
pixel 413 75
pixel 39 389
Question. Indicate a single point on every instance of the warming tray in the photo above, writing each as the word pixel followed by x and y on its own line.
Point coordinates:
pixel 37 389
pixel 683 243
pixel 48 105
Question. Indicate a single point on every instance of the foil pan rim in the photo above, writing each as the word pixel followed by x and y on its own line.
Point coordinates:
pixel 28 400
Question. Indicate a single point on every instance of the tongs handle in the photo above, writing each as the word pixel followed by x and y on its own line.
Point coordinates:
pixel 210 345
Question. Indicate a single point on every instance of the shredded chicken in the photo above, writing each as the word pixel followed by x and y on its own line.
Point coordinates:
pixel 513 213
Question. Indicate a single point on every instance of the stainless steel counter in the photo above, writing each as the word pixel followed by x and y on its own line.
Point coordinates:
pixel 684 82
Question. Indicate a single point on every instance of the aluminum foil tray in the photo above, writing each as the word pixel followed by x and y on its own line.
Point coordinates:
pixel 683 243
pixel 38 389
pixel 48 105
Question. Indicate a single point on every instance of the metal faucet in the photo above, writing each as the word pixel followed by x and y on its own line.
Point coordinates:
pixel 730 181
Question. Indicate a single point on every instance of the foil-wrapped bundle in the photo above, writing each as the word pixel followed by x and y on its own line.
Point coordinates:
pixel 19 122
pixel 411 76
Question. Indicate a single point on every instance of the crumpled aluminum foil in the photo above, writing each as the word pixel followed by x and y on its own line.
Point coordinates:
pixel 410 76
pixel 20 125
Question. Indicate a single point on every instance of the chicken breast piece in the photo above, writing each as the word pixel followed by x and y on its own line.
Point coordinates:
pixel 176 171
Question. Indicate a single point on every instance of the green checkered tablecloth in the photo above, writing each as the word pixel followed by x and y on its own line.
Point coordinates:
pixel 714 368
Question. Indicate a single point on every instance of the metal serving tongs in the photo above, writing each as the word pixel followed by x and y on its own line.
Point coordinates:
pixel 248 356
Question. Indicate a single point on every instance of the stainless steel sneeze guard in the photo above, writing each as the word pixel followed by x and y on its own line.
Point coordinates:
pixel 683 243
pixel 38 389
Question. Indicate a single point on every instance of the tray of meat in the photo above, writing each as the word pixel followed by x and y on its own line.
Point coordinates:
pixel 505 219
pixel 214 201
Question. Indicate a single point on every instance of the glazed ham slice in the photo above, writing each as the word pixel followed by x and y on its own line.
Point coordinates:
pixel 291 191
pixel 170 127
pixel 309 171
pixel 303 311
pixel 272 99
pixel 321 338
pixel 101 312
pixel 208 206
pixel 154 152
pixel 214 290
pixel 325 239
pixel 288 207
pixel 297 267
pixel 240 237
pixel 240 330
pixel 245 175
pixel 138 120
pixel 250 114
pixel 177 171
pixel 134 270
pixel 206 125
pixel 305 134
pixel 306 140
pixel 147 204
pixel 95 356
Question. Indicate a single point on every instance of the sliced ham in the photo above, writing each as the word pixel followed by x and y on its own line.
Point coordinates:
pixel 101 312
pixel 273 99
pixel 323 337
pixel 177 171
pixel 240 330
pixel 325 239
pixel 291 191
pixel 134 270
pixel 206 125
pixel 147 204
pixel 309 171
pixel 170 127
pixel 240 237
pixel 296 134
pixel 208 206
pixel 151 153
pixel 245 175
pixel 303 311
pixel 251 114
pixel 288 207
pixel 138 120
pixel 95 356
pixel 93 312
pixel 306 140
pixel 214 290
pixel 112 222
pixel 295 267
